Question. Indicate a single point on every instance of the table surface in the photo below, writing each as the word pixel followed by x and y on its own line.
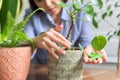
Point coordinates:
pixel 39 72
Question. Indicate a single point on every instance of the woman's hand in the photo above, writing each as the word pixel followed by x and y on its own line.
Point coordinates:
pixel 88 50
pixel 49 39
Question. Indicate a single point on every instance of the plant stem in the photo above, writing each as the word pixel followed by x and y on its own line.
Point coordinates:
pixel 118 54
pixel 72 15
pixel 86 4
pixel 71 28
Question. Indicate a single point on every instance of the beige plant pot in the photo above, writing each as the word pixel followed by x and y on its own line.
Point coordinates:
pixel 67 67
pixel 14 63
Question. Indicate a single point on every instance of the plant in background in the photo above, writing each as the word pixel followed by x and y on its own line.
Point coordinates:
pixel 78 6
pixel 14 57
pixel 12 34
pixel 107 13
pixel 111 12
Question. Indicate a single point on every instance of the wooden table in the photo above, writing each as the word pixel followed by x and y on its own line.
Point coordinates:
pixel 39 72
pixel 101 74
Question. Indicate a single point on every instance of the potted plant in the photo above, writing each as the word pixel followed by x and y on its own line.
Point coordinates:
pixel 14 54
pixel 106 16
pixel 69 66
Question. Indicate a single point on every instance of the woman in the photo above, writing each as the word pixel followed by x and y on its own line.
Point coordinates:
pixel 47 22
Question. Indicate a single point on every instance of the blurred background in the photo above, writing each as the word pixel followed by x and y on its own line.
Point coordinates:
pixel 105 26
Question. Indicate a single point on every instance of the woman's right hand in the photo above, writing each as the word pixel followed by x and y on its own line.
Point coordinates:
pixel 49 40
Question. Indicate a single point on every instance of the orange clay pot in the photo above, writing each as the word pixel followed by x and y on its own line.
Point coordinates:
pixel 14 63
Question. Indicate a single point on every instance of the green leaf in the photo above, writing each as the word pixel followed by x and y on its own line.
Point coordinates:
pixel 13 34
pixel 73 42
pixel 89 11
pixel 109 7
pixel 118 24
pixel 94 55
pixel 8 5
pixel 107 1
pixel 61 4
pixel 99 3
pixel 76 7
pixel 7 30
pixel 118 15
pixel 81 1
pixel 110 13
pixel 118 33
pixel 109 37
pixel 117 4
pixel 1 41
pixel 20 26
pixel 104 15
pixel 95 23
pixel 20 37
pixel 99 42
pixel 81 48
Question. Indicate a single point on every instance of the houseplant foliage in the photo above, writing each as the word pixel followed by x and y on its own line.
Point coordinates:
pixel 12 33
pixel 77 6
pixel 14 57
pixel 71 62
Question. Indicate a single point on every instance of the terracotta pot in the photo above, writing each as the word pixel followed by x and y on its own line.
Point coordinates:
pixel 14 63
pixel 67 67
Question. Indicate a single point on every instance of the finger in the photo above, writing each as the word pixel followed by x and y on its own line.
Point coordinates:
pixel 99 60
pixel 58 38
pixel 59 41
pixel 85 58
pixel 61 37
pixel 105 58
pixel 53 45
pixel 104 55
pixel 95 61
pixel 51 52
pixel 89 61
pixel 58 28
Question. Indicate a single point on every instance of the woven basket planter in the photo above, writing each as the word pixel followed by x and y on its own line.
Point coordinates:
pixel 67 67
pixel 14 63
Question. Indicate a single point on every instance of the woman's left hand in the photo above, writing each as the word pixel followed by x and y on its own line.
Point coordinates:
pixel 88 50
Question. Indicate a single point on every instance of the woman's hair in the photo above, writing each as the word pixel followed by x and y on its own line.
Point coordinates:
pixel 34 7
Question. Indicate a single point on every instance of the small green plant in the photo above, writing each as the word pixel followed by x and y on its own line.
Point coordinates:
pixel 78 6
pixel 12 34
pixel 94 55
